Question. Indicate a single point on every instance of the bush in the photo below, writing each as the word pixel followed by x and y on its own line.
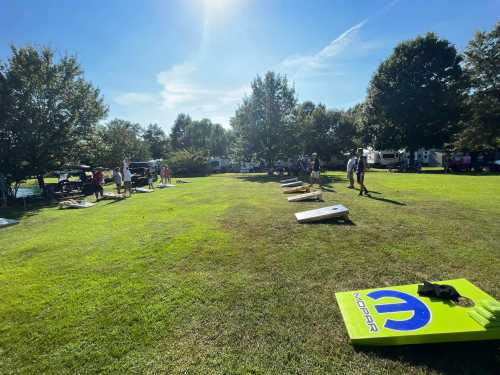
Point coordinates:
pixel 188 164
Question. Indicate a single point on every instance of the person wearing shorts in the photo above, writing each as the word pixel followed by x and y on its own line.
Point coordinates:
pixel 315 170
pixel 168 175
pixel 351 166
pixel 150 175
pixel 117 176
pixel 163 174
pixel 98 182
pixel 127 180
pixel 360 173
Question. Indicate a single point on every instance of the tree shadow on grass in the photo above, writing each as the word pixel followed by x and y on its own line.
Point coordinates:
pixel 261 178
pixel 18 210
pixel 481 357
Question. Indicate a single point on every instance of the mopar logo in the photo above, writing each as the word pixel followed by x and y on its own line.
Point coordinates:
pixel 421 313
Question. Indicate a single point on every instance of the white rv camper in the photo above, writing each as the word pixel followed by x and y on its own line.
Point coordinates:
pixel 381 159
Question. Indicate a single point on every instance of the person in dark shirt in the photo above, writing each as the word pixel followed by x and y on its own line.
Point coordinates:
pixel 360 173
pixel 315 170
pixel 98 182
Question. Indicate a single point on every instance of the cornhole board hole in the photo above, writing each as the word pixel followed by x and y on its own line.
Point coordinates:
pixel 292 184
pixel 312 196
pixel 7 222
pixel 288 180
pixel 112 196
pixel 298 189
pixel 164 186
pixel 143 190
pixel 320 214
pixel 397 315
pixel 75 204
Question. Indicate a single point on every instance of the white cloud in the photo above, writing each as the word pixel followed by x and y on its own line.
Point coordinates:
pixel 134 98
pixel 182 92
pixel 181 89
pixel 333 49
pixel 346 44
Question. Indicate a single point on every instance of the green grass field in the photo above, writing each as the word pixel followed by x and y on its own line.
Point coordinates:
pixel 216 277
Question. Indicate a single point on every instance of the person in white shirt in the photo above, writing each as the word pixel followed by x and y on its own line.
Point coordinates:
pixel 351 166
pixel 127 180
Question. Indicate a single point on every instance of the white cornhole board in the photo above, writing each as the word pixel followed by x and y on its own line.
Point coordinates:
pixel 143 190
pixel 292 184
pixel 76 204
pixel 289 180
pixel 111 195
pixel 164 186
pixel 324 213
pixel 314 195
pixel 7 222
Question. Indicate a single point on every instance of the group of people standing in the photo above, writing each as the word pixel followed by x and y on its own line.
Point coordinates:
pixel 357 164
pixel 122 178
pixel 165 175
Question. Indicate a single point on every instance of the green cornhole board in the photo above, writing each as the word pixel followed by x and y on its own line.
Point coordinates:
pixel 399 316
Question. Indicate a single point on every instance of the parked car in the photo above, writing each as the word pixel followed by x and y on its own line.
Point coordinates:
pixel 140 169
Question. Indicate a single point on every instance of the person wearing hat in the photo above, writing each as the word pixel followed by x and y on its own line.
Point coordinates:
pixel 315 169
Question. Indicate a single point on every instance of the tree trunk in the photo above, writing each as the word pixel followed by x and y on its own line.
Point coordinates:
pixel 270 167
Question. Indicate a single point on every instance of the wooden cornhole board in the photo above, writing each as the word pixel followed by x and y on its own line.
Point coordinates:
pixel 292 184
pixel 164 186
pixel 298 189
pixel 7 222
pixel 289 180
pixel 183 182
pixel 75 204
pixel 313 195
pixel 143 190
pixel 324 213
pixel 112 196
pixel 397 315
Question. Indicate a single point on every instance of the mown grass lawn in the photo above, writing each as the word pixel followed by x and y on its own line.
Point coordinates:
pixel 217 277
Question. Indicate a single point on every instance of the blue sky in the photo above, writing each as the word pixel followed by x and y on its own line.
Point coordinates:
pixel 154 59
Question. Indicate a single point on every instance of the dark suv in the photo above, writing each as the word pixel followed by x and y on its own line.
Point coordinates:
pixel 140 169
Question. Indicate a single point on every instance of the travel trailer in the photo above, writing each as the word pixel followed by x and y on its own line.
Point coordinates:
pixel 381 159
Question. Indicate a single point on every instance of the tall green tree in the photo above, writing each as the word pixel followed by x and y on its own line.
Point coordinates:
pixel 327 132
pixel 47 109
pixel 200 136
pixel 120 139
pixel 178 131
pixel 157 141
pixel 265 122
pixel 414 98
pixel 481 130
